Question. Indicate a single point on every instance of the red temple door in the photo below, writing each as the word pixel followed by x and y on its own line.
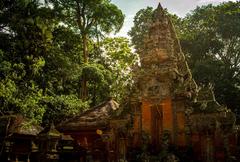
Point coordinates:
pixel 157 125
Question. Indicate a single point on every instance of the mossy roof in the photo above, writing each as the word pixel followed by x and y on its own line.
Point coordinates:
pixel 18 125
pixel 96 117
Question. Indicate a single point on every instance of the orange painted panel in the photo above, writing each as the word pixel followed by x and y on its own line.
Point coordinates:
pixel 136 124
pixel 181 121
pixel 195 138
pixel 146 117
pixel 167 114
pixel 181 139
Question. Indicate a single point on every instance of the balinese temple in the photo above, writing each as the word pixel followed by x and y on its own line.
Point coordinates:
pixel 169 108
pixel 100 132
pixel 164 85
pixel 168 115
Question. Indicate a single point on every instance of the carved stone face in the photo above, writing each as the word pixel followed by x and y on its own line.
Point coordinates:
pixel 155 89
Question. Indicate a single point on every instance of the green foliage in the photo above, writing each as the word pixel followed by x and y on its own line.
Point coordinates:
pixel 118 56
pixel 99 80
pixel 90 19
pixel 85 15
pixel 140 28
pixel 42 56
pixel 30 106
pixel 7 89
pixel 34 64
pixel 93 72
pixel 210 38
pixel 60 107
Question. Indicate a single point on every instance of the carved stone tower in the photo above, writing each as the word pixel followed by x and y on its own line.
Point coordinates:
pixel 164 83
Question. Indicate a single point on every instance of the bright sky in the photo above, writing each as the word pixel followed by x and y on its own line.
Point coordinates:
pixel 179 7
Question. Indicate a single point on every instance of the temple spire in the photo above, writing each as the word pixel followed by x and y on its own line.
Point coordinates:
pixel 160 7
pixel 162 60
pixel 159 12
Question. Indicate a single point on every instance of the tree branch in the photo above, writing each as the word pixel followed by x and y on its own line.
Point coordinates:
pixel 79 16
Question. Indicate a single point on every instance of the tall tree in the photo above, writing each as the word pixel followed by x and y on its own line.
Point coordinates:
pixel 38 67
pixel 109 73
pixel 90 18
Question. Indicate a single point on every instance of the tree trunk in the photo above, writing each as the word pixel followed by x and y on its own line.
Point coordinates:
pixel 94 95
pixel 84 93
pixel 85 47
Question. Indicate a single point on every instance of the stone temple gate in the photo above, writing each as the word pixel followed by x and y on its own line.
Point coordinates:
pixel 164 85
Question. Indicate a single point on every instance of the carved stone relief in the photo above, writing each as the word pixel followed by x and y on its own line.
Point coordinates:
pixel 155 89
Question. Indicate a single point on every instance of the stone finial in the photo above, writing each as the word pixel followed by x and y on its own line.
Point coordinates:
pixel 52 126
pixel 159 12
